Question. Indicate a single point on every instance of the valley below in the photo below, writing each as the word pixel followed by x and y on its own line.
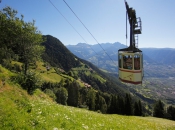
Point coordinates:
pixel 159 69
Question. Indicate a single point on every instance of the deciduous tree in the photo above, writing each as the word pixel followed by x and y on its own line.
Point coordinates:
pixel 19 38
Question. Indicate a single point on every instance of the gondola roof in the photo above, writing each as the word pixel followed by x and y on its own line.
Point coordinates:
pixel 130 49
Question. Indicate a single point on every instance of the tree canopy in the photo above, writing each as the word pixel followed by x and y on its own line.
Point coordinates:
pixel 19 40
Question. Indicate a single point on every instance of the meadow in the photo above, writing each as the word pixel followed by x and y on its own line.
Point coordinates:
pixel 18 110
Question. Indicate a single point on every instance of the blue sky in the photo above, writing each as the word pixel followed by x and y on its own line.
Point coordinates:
pixel 105 19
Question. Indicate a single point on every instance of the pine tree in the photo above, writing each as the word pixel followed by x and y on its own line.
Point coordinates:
pixel 73 94
pixel 83 94
pixel 128 105
pixel 100 103
pixel 158 109
pixel 62 95
pixel 171 112
pixel 91 99
pixel 121 105
pixel 113 105
pixel 138 108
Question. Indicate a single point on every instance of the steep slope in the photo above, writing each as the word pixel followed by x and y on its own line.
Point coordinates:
pixel 58 55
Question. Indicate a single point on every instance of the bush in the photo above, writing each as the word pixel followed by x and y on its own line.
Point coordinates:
pixel 61 96
pixel 7 64
pixel 50 85
pixel 50 93
pixel 29 82
pixel 17 68
pixel 33 65
pixel 1 69
pixel 57 70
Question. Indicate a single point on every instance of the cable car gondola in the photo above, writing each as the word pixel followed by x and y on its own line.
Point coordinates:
pixel 130 60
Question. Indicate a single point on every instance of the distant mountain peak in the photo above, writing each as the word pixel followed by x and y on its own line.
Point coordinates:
pixel 82 44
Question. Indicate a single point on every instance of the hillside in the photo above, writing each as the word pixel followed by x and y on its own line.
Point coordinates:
pixel 38 111
pixel 86 72
pixel 159 72
pixel 59 56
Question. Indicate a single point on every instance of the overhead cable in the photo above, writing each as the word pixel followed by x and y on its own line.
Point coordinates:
pixel 88 30
pixel 71 25
pixel 77 31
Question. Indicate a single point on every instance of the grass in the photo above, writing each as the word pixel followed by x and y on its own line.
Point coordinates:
pixel 50 76
pixel 88 72
pixel 5 73
pixel 18 110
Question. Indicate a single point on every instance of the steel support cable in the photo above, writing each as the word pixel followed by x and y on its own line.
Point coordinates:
pixel 55 50
pixel 88 30
pixel 75 29
pixel 71 25
pixel 126 28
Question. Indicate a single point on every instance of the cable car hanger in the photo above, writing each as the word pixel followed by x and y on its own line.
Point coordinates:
pixel 135 29
pixel 130 59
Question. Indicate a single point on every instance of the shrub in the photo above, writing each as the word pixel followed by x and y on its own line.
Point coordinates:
pixel 29 82
pixel 1 69
pixel 7 64
pixel 50 93
pixel 61 96
pixel 57 70
pixel 17 68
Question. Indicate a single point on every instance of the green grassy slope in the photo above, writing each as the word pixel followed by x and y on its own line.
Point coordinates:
pixel 18 110
pixel 51 75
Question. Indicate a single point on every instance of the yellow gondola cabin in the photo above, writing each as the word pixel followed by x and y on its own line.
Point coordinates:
pixel 130 60
pixel 130 67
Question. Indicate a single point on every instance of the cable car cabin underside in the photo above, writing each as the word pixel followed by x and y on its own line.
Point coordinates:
pixel 130 67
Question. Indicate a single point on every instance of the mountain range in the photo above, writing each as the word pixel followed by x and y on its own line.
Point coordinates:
pixel 105 55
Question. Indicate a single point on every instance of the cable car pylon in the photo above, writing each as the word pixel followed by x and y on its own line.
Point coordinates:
pixel 130 59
